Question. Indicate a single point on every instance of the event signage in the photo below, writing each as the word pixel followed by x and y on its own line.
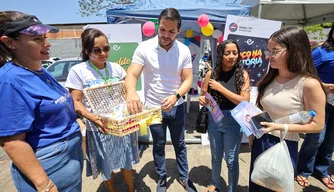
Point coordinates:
pixel 252 36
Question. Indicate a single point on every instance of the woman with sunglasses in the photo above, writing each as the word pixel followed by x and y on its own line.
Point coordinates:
pixel 38 128
pixel 291 85
pixel 105 153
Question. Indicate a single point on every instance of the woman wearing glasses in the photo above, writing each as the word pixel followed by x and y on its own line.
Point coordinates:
pixel 291 85
pixel 105 153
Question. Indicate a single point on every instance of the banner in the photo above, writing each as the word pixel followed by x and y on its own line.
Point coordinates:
pixel 252 36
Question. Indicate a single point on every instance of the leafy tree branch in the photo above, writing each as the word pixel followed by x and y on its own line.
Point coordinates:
pixel 95 7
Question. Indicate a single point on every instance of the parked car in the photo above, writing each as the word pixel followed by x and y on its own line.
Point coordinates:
pixel 59 69
pixel 47 63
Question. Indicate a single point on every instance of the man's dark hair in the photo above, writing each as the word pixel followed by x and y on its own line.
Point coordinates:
pixel 170 14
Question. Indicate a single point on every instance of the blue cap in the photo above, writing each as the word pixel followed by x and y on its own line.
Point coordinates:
pixel 312 113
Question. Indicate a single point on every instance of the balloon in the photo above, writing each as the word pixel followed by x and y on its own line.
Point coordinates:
pixel 221 38
pixel 186 42
pixel 216 34
pixel 203 20
pixel 148 28
pixel 207 30
pixel 189 33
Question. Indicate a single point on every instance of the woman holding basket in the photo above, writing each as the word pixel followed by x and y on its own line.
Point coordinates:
pixel 105 153
pixel 38 128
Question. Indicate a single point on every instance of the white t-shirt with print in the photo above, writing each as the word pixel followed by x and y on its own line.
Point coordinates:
pixel 162 69
pixel 82 76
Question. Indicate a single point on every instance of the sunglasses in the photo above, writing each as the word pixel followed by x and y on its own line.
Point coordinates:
pixel 98 50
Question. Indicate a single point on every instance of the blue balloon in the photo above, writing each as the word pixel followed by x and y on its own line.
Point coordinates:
pixel 186 41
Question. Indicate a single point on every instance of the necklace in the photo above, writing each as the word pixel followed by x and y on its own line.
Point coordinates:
pixel 39 73
pixel 106 78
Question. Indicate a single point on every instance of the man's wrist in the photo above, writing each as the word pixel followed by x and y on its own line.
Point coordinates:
pixel 177 95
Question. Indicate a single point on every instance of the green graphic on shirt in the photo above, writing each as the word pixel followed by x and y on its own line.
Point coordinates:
pixel 122 53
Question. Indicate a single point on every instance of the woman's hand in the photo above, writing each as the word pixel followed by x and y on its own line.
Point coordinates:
pixel 99 125
pixel 214 85
pixel 250 141
pixel 270 126
pixel 49 187
pixel 328 87
pixel 202 101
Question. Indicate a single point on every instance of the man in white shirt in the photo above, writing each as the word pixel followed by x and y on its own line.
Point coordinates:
pixel 166 64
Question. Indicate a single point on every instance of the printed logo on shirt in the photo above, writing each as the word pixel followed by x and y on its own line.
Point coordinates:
pixel 62 99
pixel 100 81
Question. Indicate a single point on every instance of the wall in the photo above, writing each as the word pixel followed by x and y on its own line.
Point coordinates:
pixel 65 48
pixel 67 42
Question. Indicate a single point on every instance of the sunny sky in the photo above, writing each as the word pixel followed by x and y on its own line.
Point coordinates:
pixel 50 11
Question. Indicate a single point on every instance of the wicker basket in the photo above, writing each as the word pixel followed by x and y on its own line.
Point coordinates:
pixel 103 99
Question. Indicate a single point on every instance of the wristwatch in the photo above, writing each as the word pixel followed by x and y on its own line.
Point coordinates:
pixel 178 96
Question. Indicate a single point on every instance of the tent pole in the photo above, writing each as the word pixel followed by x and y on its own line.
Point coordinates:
pixel 259 11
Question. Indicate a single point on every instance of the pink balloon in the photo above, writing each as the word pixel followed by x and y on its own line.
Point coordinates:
pixel 203 20
pixel 148 28
pixel 221 38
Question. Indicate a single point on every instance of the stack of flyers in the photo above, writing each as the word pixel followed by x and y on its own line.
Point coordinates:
pixel 243 113
pixel 214 109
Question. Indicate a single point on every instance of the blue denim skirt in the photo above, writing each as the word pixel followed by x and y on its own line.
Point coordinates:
pixel 62 162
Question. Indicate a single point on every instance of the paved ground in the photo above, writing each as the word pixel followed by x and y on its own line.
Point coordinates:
pixel 144 173
pixel 146 178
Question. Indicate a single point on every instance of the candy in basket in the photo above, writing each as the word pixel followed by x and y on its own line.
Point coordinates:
pixel 108 101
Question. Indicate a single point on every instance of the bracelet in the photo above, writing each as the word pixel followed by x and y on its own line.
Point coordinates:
pixel 48 187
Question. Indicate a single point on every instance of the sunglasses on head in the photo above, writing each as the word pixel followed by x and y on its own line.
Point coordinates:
pixel 98 50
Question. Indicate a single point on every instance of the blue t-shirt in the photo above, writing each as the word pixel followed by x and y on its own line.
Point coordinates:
pixel 324 62
pixel 29 104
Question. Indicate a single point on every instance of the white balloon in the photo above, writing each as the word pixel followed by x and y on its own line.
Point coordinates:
pixel 216 34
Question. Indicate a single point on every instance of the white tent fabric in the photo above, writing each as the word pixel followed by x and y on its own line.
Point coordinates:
pixel 293 12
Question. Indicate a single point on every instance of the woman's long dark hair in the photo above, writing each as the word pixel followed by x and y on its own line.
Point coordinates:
pixel 218 69
pixel 299 59
pixel 329 43
pixel 6 17
pixel 87 41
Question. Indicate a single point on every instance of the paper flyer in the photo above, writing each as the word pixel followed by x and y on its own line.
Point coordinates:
pixel 242 113
pixel 214 109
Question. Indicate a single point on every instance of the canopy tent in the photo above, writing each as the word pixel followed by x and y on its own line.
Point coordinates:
pixel 293 12
pixel 190 10
pixel 217 10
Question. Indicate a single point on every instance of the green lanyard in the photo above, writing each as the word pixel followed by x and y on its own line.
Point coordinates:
pixel 99 72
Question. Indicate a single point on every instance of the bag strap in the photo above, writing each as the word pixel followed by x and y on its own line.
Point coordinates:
pixel 286 129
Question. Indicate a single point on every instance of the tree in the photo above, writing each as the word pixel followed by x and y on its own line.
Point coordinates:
pixel 317 30
pixel 94 7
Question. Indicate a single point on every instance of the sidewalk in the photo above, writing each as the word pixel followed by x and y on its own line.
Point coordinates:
pixel 145 177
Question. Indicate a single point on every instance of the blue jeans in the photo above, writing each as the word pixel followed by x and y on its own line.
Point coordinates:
pixel 261 145
pixel 175 122
pixel 62 162
pixel 225 139
pixel 315 154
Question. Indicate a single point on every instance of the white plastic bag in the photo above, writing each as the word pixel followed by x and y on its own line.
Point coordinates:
pixel 273 168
